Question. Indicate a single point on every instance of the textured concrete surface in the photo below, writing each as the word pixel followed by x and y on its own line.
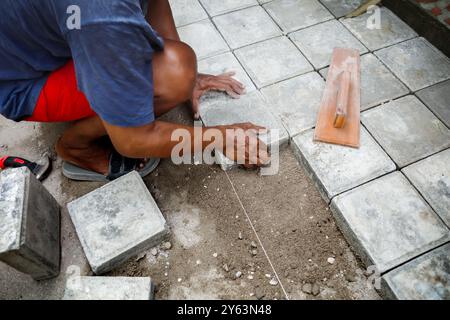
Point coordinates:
pixel 424 278
pixel 431 177
pixel 378 84
pixel 391 29
pixel 336 169
pixel 187 11
pixel 416 62
pixel 292 15
pixel 296 101
pixel 272 61
pixel 409 131
pixel 318 42
pixel 194 35
pixel 108 288
pixel 216 7
pixel 340 8
pixel 116 222
pixel 387 222
pixel 437 98
pixel 29 225
pixel 244 27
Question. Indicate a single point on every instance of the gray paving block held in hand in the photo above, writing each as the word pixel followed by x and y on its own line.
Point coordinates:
pixel 108 288
pixel 216 7
pixel 340 8
pixel 378 84
pixel 336 169
pixel 318 42
pixel 416 62
pixel 272 60
pixel 187 11
pixel 204 38
pixel 406 130
pixel 247 26
pixel 292 15
pixel 424 278
pixel 387 222
pixel 437 98
pixel 29 225
pixel 391 30
pixel 117 222
pixel 431 177
pixel 296 101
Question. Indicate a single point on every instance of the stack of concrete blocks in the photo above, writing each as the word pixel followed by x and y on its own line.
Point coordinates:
pixel 29 225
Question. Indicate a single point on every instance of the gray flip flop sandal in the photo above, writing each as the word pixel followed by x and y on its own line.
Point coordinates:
pixel 118 166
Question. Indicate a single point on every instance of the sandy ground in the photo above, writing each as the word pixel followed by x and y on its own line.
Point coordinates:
pixel 216 251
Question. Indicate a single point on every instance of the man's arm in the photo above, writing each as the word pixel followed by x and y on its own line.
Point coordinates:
pixel 160 17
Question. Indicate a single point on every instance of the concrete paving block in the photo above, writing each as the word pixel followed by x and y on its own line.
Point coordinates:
pixel 378 84
pixel 406 130
pixel 187 11
pixel 247 26
pixel 424 278
pixel 340 8
pixel 387 222
pixel 216 7
pixel 296 101
pixel 29 225
pixel 226 62
pixel 437 98
pixel 117 222
pixel 318 42
pixel 292 15
pixel 391 30
pixel 203 37
pixel 431 177
pixel 272 61
pixel 416 62
pixel 108 288
pixel 336 169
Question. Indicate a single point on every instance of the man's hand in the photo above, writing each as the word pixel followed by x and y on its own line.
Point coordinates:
pixel 223 82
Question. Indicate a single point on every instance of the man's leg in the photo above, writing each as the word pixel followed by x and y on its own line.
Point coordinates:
pixel 174 74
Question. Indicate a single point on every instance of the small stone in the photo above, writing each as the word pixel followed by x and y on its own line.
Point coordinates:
pixel 254 252
pixel 315 289
pixel 273 282
pixel 154 252
pixel 198 262
pixel 331 260
pixel 307 288
pixel 167 245
pixel 350 277
pixel 179 279
pixel 250 277
pixel 254 245
pixel 268 275
pixel 225 267
pixel 240 236
pixel 259 294
pixel 238 274
pixel 215 254
pixel 140 257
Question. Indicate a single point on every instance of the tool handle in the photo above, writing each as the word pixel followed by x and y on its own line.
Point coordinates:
pixel 16 162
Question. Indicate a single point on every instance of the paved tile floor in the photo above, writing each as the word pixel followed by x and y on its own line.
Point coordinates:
pixel 283 47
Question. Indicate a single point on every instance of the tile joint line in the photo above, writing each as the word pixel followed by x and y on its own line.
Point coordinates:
pixel 257 236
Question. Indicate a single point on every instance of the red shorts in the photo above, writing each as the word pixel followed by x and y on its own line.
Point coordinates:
pixel 60 100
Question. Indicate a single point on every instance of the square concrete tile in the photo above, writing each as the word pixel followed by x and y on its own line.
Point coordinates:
pixel 340 8
pixel 117 222
pixel 406 130
pixel 244 27
pixel 187 11
pixel 249 108
pixel 417 63
pixel 431 177
pixel 387 222
pixel 226 62
pixel 437 98
pixel 292 15
pixel 378 84
pixel 336 169
pixel 424 278
pixel 216 7
pixel 272 61
pixel 318 42
pixel 203 37
pixel 392 29
pixel 296 101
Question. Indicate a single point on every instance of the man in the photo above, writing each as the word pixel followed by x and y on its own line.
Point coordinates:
pixel 113 67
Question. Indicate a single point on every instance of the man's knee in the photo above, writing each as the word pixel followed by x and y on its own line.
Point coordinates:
pixel 176 71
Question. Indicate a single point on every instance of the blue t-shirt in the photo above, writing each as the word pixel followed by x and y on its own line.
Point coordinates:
pixel 111 45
